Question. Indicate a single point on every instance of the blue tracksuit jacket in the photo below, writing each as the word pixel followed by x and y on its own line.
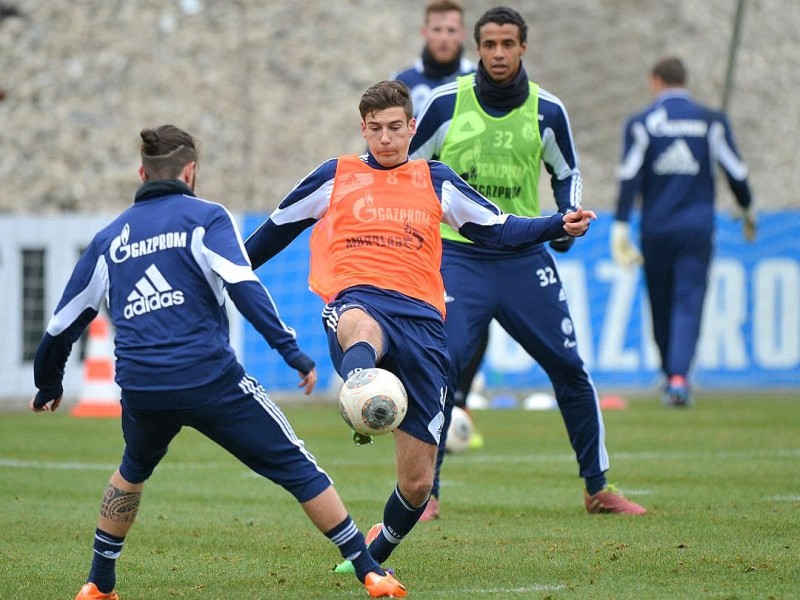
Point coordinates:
pixel 164 267
pixel 670 151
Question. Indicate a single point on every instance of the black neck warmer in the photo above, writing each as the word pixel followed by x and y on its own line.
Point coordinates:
pixel 437 70
pixel 155 188
pixel 502 97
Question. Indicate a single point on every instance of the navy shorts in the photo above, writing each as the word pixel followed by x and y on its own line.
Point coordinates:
pixel 236 413
pixel 415 349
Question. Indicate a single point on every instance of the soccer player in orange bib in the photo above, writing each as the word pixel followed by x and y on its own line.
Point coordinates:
pixel 375 260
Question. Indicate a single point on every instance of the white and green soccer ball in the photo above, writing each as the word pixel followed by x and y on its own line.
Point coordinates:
pixel 373 401
pixel 460 431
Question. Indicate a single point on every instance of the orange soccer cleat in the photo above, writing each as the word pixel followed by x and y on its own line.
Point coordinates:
pixel 609 500
pixel 385 586
pixel 373 533
pixel 89 591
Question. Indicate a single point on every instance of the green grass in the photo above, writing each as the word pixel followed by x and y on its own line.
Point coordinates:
pixel 721 482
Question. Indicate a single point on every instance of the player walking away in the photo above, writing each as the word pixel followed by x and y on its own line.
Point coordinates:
pixel 495 128
pixel 671 149
pixel 375 259
pixel 442 58
pixel 164 266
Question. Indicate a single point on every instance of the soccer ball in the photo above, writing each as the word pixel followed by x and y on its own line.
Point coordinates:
pixel 373 401
pixel 459 432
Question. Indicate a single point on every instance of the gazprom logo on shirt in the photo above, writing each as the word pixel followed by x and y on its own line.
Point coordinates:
pixel 660 125
pixel 121 250
pixel 364 210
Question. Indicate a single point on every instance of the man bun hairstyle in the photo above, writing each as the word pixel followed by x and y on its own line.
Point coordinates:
pixel 502 15
pixel 670 70
pixel 386 94
pixel 166 150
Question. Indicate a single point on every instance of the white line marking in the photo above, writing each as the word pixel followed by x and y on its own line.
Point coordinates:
pixel 12 463
pixel 57 466
pixel 536 587
pixel 528 589
pixel 476 458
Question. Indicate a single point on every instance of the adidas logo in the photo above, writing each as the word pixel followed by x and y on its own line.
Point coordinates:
pixel 152 292
pixel 677 159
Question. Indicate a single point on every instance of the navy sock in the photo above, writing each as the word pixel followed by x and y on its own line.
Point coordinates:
pixel 399 518
pixel 351 544
pixel 357 357
pixel 107 549
pixel 595 483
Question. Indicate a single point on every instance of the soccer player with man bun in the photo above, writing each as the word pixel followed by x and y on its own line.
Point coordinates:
pixel 164 267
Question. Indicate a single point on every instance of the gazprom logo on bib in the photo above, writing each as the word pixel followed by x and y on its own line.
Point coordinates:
pixel 121 250
pixel 153 292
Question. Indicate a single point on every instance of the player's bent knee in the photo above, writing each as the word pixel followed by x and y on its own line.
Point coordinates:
pixel 416 492
pixel 135 475
pixel 134 472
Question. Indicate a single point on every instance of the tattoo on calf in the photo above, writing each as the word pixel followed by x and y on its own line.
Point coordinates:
pixel 119 505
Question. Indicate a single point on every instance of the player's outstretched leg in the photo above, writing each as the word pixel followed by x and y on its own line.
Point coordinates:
pixel 117 514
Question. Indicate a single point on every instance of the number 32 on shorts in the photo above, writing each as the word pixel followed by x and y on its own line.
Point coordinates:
pixel 547 276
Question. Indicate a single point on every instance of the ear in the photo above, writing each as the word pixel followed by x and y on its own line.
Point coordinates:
pixel 363 129
pixel 656 84
pixel 187 175
pixel 412 126
pixel 142 175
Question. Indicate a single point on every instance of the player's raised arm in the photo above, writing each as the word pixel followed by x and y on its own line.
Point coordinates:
pixel 483 223
pixel 301 208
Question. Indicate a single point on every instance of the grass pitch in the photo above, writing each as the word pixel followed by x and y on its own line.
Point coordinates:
pixel 721 482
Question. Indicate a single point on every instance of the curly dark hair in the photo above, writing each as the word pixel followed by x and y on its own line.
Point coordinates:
pixel 502 15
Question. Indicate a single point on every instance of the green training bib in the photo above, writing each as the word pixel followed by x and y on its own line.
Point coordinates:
pixel 498 156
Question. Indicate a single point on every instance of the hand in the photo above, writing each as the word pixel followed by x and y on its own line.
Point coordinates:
pixel 307 381
pixel 623 251
pixel 562 244
pixel 576 223
pixel 40 404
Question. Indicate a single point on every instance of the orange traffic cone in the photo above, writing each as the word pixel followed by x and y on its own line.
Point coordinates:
pixel 99 392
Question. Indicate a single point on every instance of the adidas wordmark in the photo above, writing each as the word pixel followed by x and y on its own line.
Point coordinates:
pixel 153 292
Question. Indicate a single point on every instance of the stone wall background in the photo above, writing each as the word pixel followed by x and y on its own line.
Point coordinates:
pixel 271 88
